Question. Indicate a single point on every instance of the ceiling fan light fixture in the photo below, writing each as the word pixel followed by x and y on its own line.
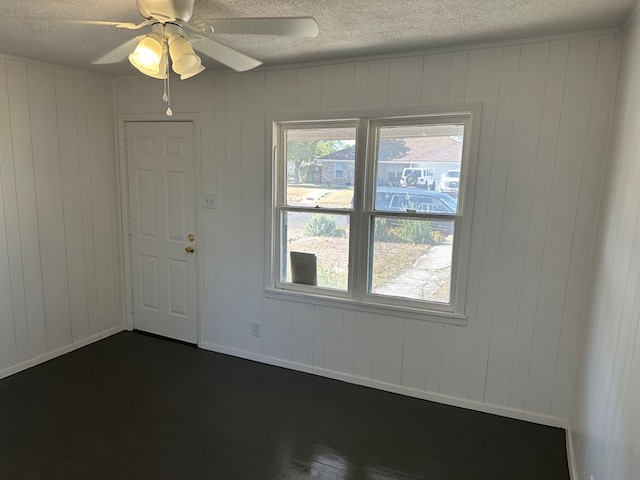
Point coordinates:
pixel 162 71
pixel 193 73
pixel 147 56
pixel 183 58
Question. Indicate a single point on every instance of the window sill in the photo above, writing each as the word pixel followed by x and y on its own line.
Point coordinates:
pixel 369 307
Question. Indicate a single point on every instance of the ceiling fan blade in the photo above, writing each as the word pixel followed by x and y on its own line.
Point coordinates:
pixel 298 26
pixel 228 56
pixel 126 25
pixel 119 53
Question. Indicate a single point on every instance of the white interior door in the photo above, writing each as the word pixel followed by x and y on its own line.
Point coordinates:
pixel 161 169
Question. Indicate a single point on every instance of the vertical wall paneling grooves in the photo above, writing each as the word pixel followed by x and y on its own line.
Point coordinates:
pixel 155 102
pixel 201 88
pixel 137 95
pixel 537 228
pixel 14 342
pixel 233 139
pixel 101 178
pixel 458 76
pixel 363 345
pixel 490 292
pixel 435 79
pixel 27 209
pixel 309 89
pixel 514 228
pixel 484 66
pixel 87 204
pixel 220 226
pixel 319 325
pixel 348 341
pixel 54 131
pixel 46 163
pixel 375 84
pixel 579 82
pixel 72 203
pixel 605 416
pixel 583 236
pixel 252 122
pixel 337 87
pixel 545 106
pixel 302 333
pixel 333 338
pixel 388 336
pixel 415 354
pixel 121 89
pixel 8 352
pixel 405 82
pixel 114 196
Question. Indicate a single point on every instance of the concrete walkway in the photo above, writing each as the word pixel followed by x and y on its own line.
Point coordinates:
pixel 424 278
pixel 313 196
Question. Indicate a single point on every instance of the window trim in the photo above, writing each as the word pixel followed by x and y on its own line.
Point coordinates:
pixel 356 297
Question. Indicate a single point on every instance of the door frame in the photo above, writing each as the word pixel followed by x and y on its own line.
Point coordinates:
pixel 123 186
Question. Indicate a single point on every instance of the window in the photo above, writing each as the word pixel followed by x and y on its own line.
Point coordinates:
pixel 400 244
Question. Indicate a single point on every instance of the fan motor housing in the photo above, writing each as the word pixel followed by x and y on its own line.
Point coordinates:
pixel 166 10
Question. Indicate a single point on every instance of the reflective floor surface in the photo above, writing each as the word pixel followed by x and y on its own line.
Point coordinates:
pixel 138 407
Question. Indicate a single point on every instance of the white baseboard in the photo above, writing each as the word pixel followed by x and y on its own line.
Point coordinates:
pixel 388 387
pixel 60 351
pixel 571 458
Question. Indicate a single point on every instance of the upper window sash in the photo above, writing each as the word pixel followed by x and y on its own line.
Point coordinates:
pixel 290 133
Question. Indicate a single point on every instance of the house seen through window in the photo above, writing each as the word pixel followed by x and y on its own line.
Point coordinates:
pixel 370 209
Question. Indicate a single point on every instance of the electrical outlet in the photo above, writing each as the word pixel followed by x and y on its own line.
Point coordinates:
pixel 255 329
pixel 209 200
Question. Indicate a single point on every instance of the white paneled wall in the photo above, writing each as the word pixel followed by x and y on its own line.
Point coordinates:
pixel 606 417
pixel 546 107
pixel 59 251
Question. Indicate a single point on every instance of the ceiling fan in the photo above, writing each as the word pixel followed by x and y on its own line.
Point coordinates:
pixel 173 39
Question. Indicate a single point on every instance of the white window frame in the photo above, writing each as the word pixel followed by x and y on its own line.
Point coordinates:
pixel 357 297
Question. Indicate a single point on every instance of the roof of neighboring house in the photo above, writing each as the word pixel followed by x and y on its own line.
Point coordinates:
pixel 407 150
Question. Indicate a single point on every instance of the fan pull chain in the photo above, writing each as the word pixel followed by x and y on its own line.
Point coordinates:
pixel 169 111
pixel 166 96
pixel 168 85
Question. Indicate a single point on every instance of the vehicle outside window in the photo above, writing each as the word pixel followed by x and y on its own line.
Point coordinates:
pixel 418 177
pixel 402 247
pixel 400 200
pixel 450 182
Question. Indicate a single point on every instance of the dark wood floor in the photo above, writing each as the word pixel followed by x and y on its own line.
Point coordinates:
pixel 137 407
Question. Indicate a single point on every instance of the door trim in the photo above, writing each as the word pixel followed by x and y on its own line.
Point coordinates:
pixel 123 187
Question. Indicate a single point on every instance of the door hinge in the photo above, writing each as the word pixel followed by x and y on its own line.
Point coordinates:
pixel 129 228
pixel 125 145
pixel 132 304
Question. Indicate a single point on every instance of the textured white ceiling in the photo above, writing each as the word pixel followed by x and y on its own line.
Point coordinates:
pixel 356 27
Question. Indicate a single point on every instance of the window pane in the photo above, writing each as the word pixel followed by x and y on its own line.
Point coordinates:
pixel 323 235
pixel 412 259
pixel 416 157
pixel 320 165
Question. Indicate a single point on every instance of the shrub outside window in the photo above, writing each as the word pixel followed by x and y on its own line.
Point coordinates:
pixel 346 227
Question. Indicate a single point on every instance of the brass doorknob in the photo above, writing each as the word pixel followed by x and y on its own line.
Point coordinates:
pixel 191 237
pixel 190 249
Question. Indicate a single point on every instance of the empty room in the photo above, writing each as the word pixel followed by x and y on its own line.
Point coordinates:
pixel 320 240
